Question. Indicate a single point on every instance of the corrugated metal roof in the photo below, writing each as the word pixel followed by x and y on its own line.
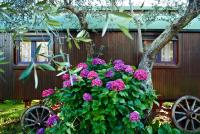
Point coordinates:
pixel 98 22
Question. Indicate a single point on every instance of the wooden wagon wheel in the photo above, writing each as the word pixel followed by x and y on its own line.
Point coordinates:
pixel 34 118
pixel 186 114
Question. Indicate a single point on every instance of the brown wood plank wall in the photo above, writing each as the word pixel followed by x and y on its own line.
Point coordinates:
pixel 170 83
pixel 6 79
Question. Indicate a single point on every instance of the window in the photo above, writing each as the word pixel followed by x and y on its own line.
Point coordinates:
pixel 26 49
pixel 168 56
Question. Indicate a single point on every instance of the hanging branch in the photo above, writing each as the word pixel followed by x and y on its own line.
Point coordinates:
pixel 81 15
pixel 138 23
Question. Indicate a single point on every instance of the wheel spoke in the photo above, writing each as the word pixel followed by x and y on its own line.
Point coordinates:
pixel 29 125
pixel 33 115
pixel 179 120
pixel 182 113
pixel 182 107
pixel 192 124
pixel 197 120
pixel 37 114
pixel 42 113
pixel 186 124
pixel 27 119
pixel 193 105
pixel 197 109
pixel 188 107
pixel 45 116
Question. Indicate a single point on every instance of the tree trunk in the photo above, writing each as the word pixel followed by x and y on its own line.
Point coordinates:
pixel 148 58
pixel 146 63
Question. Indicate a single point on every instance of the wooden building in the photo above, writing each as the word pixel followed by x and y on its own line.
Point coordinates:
pixel 176 72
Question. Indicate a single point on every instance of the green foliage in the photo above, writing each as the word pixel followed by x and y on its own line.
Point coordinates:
pixel 125 31
pixel 108 111
pixel 165 128
pixel 27 72
pixel 47 67
pixel 122 14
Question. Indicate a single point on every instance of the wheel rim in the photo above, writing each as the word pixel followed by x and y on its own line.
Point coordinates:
pixel 34 118
pixel 186 114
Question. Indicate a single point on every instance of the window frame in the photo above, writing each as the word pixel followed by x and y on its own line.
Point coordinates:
pixel 33 38
pixel 176 51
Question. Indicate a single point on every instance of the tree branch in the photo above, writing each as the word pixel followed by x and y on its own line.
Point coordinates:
pixel 193 10
pixel 81 15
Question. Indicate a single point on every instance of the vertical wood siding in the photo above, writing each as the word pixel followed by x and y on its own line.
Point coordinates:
pixel 170 83
pixel 6 79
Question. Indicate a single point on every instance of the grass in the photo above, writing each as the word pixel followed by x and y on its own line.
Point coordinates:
pixel 10 113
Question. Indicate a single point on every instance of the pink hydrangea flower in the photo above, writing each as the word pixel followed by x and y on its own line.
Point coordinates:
pixel 82 65
pixel 84 73
pixel 92 75
pixel 98 61
pixel 134 116
pixel 65 76
pixel 87 97
pixel 52 120
pixel 140 74
pixel 117 85
pixel 96 82
pixel 47 92
pixel 128 69
pixel 67 83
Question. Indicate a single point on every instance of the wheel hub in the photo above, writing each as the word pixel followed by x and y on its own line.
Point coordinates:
pixel 191 115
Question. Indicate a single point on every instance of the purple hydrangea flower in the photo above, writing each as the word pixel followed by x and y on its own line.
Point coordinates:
pixel 119 67
pixel 82 65
pixel 118 62
pixel 117 85
pixel 74 78
pixel 98 61
pixel 134 116
pixel 109 74
pixel 96 82
pixel 40 131
pixel 52 120
pixel 128 69
pixel 140 74
pixel 109 85
pixel 67 83
pixel 87 97
pixel 84 73
pixel 92 75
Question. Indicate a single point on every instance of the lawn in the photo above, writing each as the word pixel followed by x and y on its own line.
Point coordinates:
pixel 10 113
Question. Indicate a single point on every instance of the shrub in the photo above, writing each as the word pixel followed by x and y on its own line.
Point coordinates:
pixel 101 97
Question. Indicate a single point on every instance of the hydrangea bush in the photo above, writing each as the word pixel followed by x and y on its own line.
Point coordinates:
pixel 100 98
